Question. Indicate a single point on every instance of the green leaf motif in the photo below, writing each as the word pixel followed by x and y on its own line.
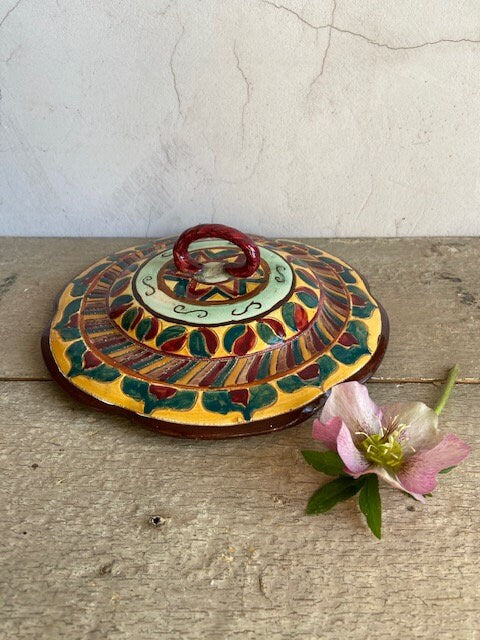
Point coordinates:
pixel 327 366
pixel 332 493
pixel 309 299
pixel 80 285
pixel 221 401
pixel 371 505
pixel 143 328
pixel 170 332
pixel 102 373
pixel 448 469
pixel 182 400
pixel 349 355
pixel 291 383
pixel 366 309
pixel 197 345
pixel 128 317
pixel 347 276
pixel 231 335
pixel 328 462
pixel 261 396
pixel 307 278
pixel 288 314
pixel 267 334
pixel 121 300
pixel 294 382
pixel 69 332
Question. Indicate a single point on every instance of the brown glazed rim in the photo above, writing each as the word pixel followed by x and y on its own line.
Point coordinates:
pixel 212 432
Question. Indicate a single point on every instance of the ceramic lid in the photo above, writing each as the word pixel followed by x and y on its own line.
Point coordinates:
pixel 214 334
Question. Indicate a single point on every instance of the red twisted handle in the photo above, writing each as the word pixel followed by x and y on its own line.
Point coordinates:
pixel 184 262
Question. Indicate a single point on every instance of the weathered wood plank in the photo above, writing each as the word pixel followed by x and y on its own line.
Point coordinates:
pixel 233 555
pixel 430 288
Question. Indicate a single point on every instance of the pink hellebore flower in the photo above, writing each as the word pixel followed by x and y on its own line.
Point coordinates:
pixel 400 443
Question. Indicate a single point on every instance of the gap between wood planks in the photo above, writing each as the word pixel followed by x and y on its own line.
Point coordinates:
pixel 374 379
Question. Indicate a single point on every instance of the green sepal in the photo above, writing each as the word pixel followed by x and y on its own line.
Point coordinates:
pixel 371 505
pixel 448 469
pixel 328 462
pixel 332 493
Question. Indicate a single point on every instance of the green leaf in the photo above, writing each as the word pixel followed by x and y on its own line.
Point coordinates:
pixel 370 504
pixel 330 494
pixel 448 469
pixel 328 462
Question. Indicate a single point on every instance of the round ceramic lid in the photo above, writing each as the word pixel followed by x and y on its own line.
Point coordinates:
pixel 214 334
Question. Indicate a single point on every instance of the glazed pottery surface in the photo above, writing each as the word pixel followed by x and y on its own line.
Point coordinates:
pixel 215 334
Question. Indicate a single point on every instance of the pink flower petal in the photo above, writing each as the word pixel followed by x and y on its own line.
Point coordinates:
pixel 419 422
pixel 355 462
pixel 419 474
pixel 351 402
pixel 327 432
pixel 393 482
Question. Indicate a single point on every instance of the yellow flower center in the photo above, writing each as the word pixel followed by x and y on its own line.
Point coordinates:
pixel 385 451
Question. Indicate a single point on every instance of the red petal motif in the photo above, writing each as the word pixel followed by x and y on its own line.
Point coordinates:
pixel 152 332
pixel 301 318
pixel 239 396
pixel 276 326
pixel 175 344
pixel 211 339
pixel 245 343
pixel 347 340
pixel 161 392
pixel 90 361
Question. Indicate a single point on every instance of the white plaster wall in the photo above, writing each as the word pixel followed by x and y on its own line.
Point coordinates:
pixel 141 117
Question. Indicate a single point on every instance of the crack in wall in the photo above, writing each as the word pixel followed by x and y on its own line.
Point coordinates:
pixel 365 38
pixel 248 89
pixel 10 11
pixel 325 53
pixel 172 70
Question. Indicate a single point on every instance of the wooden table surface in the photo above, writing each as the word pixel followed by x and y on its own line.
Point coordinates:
pixel 110 531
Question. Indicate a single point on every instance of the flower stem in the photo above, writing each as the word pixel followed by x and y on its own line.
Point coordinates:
pixel 447 389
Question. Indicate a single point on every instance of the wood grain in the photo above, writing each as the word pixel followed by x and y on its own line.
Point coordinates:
pixel 110 531
pixel 232 555
pixel 429 286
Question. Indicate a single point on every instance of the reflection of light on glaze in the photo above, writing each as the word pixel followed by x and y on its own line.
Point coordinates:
pixel 159 302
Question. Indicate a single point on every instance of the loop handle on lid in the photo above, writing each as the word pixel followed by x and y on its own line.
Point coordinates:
pixel 184 262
